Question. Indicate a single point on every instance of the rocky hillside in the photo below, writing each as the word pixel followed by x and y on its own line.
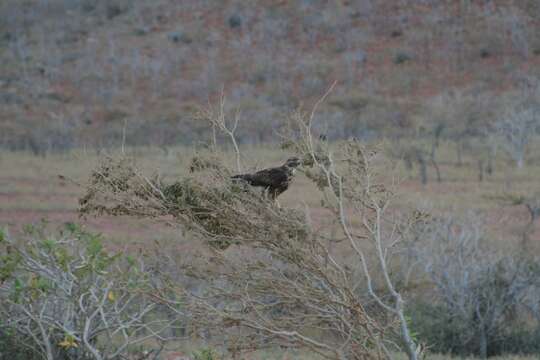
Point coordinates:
pixel 81 72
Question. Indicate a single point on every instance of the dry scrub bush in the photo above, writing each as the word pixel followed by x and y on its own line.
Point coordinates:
pixel 64 297
pixel 479 293
pixel 269 276
pixel 531 201
pixel 516 130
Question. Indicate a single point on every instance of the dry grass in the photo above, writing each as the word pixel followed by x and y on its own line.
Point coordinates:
pixel 447 357
pixel 31 188
pixel 293 354
pixel 281 354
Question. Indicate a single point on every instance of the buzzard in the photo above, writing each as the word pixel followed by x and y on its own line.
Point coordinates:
pixel 273 180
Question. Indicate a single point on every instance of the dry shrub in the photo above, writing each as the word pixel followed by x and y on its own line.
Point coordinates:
pixel 209 203
pixel 271 276
pixel 63 296
pixel 288 278
pixel 481 299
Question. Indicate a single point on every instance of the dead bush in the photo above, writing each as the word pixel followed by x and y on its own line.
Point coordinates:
pixel 479 294
pixel 271 276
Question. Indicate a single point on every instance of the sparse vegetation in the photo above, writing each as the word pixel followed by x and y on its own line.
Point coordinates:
pixel 64 296
pixel 401 58
pixel 481 297
pixel 293 292
pixel 516 130
pixel 151 56
pixel 194 266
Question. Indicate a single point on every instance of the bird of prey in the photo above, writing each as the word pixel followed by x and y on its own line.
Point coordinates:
pixel 273 180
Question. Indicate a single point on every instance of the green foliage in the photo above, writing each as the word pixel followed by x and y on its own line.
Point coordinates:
pixel 180 36
pixel 12 348
pixel 205 354
pixel 438 329
pixel 435 326
pixel 8 263
pixel 54 281
pixel 235 21
pixel 401 58
pixel 518 340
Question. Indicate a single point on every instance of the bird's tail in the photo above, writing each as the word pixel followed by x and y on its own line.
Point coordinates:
pixel 242 177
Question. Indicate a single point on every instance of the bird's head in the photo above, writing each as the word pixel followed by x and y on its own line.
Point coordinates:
pixel 293 162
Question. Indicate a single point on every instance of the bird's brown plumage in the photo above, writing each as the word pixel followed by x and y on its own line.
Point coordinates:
pixel 274 180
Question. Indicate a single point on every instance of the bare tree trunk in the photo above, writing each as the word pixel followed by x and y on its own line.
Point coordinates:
pixel 534 212
pixel 483 343
pixel 408 162
pixel 520 162
pixel 526 236
pixel 437 170
pixel 489 166
pixel 432 157
pixel 508 180
pixel 480 170
pixel 422 167
pixel 459 149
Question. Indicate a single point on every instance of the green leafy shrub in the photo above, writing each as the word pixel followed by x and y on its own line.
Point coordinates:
pixel 235 21
pixel 11 347
pixel 64 296
pixel 445 333
pixel 205 354
pixel 401 58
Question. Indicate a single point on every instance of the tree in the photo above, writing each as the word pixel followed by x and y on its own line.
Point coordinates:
pixel 64 297
pixel 292 290
pixel 477 288
pixel 516 130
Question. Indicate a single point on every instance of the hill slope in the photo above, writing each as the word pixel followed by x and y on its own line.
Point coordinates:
pixel 79 72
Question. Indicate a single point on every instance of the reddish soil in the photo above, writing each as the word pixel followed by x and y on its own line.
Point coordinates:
pixel 506 223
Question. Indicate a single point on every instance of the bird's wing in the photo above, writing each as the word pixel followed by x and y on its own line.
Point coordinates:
pixel 245 177
pixel 269 177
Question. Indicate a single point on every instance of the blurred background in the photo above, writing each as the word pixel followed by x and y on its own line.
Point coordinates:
pixel 75 73
pixel 449 90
